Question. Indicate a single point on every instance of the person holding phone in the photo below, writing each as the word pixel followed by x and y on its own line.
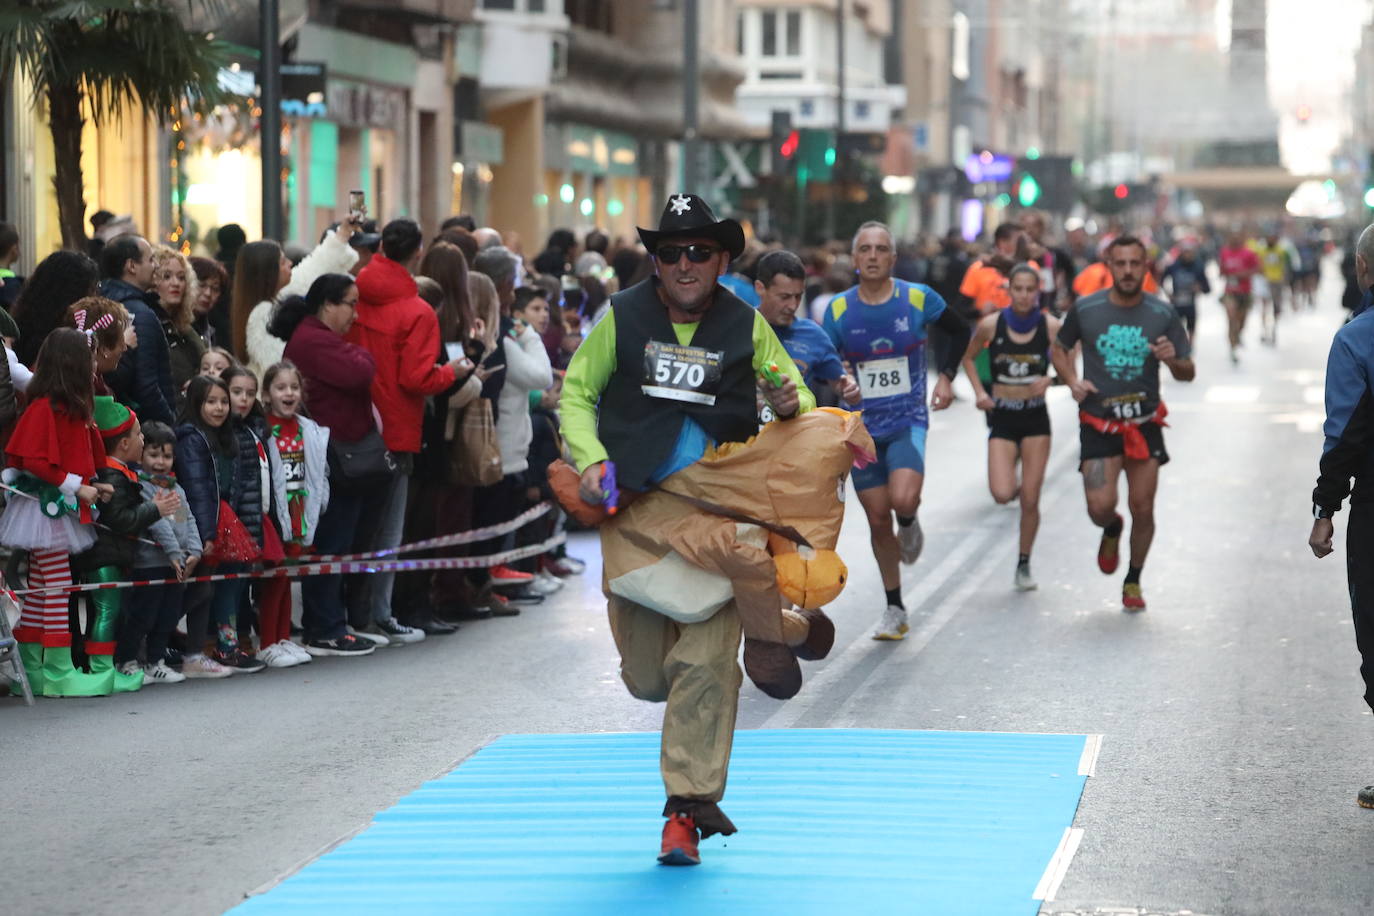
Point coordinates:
pixel 401 331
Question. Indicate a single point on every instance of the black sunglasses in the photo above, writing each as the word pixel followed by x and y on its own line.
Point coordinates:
pixel 697 254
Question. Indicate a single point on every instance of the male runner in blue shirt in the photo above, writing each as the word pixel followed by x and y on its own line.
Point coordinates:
pixel 780 282
pixel 879 327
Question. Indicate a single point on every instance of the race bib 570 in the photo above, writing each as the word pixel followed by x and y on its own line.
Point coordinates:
pixel 680 373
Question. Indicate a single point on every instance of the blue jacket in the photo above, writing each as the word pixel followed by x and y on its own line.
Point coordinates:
pixel 1349 448
pixel 197 471
pixel 143 378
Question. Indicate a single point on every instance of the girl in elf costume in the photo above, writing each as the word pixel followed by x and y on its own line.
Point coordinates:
pixel 53 456
pixel 296 449
pixel 124 518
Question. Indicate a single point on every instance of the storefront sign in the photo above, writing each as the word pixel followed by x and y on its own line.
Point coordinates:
pixel 303 87
pixel 986 166
pixel 353 105
pixel 478 142
pixel 598 152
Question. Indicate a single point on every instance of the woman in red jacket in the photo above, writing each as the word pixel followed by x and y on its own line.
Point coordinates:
pixel 338 390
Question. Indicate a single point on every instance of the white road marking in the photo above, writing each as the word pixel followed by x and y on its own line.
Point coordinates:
pixel 976 543
pixel 1307 421
pixel 1087 764
pixel 973 544
pixel 1232 394
pixel 1059 864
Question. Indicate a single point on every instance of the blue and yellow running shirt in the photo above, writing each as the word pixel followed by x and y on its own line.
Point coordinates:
pixel 886 345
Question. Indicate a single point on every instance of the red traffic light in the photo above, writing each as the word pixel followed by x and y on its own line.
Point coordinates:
pixel 1121 192
pixel 789 146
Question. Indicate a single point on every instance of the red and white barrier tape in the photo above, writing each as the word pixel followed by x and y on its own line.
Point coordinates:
pixel 445 540
pixel 326 568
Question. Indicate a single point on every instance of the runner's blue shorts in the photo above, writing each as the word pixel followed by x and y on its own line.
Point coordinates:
pixel 906 449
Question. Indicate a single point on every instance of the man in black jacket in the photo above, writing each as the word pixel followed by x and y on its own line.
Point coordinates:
pixel 143 378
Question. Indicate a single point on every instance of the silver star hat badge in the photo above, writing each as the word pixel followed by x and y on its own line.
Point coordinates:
pixel 680 205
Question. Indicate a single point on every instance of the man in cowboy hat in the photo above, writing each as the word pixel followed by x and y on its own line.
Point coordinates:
pixel 672 369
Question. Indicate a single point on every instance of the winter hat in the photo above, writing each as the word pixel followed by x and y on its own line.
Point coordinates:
pixel 111 417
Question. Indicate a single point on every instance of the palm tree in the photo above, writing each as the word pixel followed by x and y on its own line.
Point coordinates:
pixel 113 55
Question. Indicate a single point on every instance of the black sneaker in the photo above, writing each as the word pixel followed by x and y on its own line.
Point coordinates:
pixel 523 594
pixel 239 661
pixel 346 645
pixel 172 657
pixel 430 625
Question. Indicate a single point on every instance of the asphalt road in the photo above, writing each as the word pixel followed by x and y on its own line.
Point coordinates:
pixel 1234 733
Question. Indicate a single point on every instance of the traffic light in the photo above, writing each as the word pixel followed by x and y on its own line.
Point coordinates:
pixel 817 153
pixel 1038 180
pixel 783 142
pixel 1121 192
pixel 788 148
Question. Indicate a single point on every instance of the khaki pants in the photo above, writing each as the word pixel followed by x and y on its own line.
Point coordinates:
pixel 695 668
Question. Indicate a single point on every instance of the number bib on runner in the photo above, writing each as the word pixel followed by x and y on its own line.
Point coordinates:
pixel 681 373
pixel 884 378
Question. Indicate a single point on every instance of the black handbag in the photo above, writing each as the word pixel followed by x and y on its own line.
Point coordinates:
pixel 364 462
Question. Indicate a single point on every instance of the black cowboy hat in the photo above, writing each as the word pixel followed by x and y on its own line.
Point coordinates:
pixel 687 215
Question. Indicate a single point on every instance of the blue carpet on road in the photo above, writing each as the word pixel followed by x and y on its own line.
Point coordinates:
pixel 830 821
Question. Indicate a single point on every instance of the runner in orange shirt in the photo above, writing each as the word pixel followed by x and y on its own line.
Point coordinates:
pixel 985 285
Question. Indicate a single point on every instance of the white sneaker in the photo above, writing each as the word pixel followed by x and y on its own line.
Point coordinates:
pixel 911 540
pixel 130 667
pixel 274 656
pixel 546 584
pixel 161 674
pixel 1024 582
pixel 893 624
pixel 203 666
pixel 377 639
pixel 296 649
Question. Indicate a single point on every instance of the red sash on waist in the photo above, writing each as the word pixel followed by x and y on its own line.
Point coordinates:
pixel 1133 440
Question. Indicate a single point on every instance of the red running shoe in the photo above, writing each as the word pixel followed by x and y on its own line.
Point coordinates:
pixel 679 842
pixel 504 575
pixel 1109 549
pixel 1132 599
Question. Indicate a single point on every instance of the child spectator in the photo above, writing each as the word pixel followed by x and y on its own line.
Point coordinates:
pixel 124 518
pixel 153 610
pixel 247 416
pixel 216 360
pixel 216 461
pixel 53 455
pixel 527 369
pixel 296 450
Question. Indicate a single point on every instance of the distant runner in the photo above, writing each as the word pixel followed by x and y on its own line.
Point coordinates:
pixel 1018 344
pixel 1125 335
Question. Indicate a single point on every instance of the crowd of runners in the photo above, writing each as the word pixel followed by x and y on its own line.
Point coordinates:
pixel 1100 315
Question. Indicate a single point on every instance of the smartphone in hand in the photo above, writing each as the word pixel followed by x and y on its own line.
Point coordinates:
pixel 357 206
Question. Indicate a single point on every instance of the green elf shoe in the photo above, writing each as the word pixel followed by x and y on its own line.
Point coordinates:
pixel 31 655
pixel 123 683
pixel 61 679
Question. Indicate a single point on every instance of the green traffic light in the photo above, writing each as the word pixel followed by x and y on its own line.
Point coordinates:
pixel 1369 198
pixel 1028 191
pixel 830 155
pixel 1032 152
